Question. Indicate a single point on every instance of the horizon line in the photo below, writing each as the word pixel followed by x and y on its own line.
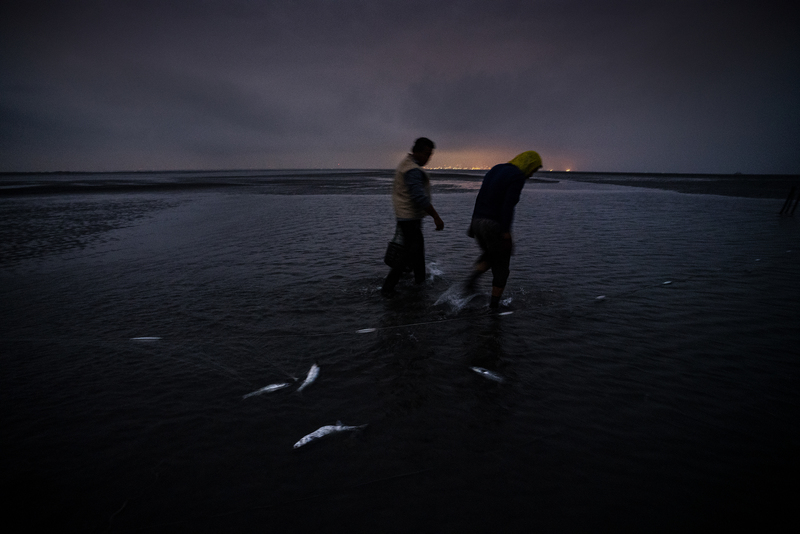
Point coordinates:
pixel 431 169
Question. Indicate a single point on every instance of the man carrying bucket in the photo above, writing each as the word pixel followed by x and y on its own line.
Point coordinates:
pixel 411 197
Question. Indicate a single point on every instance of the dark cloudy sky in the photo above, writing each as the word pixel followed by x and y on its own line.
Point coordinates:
pixel 593 85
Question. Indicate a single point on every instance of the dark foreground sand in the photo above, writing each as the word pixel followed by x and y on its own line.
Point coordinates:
pixel 737 185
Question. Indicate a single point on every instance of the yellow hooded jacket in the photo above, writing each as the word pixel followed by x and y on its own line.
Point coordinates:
pixel 527 162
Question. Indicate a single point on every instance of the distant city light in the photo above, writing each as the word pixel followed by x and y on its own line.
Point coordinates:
pixel 457 168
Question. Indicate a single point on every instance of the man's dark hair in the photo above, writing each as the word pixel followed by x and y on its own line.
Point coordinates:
pixel 421 144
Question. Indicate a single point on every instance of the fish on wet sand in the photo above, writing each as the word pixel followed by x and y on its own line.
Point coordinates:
pixel 491 375
pixel 324 431
pixel 312 375
pixel 266 389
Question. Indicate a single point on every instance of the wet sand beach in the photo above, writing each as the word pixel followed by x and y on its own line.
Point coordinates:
pixel 647 350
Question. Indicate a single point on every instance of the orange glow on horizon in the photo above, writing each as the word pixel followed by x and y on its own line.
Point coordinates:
pixel 485 159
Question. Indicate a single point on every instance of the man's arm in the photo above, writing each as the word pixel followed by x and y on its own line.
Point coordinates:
pixel 430 210
pixel 509 202
pixel 414 180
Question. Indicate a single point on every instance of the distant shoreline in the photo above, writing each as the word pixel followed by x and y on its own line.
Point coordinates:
pixel 565 174
pixel 735 185
pixel 738 185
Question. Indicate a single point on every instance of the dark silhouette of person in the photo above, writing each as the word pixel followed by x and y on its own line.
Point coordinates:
pixel 411 198
pixel 492 218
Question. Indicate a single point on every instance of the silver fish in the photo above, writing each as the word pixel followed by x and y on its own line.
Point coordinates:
pixel 487 374
pixel 324 431
pixel 312 375
pixel 266 389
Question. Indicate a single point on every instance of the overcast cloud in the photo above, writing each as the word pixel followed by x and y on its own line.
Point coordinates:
pixel 656 86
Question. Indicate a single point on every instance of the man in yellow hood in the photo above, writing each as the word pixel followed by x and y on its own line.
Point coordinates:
pixel 492 218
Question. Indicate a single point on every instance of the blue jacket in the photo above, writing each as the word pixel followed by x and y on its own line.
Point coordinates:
pixel 499 194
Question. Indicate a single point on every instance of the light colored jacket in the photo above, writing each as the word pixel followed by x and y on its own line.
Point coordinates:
pixel 404 205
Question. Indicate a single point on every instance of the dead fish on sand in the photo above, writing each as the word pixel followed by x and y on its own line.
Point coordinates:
pixel 266 389
pixel 324 431
pixel 312 375
pixel 487 374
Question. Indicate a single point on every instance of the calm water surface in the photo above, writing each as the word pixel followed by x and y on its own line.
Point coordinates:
pixel 669 404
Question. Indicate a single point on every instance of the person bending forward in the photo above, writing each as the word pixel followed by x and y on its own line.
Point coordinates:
pixel 492 218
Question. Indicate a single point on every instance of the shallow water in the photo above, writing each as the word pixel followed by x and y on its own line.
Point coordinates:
pixel 662 406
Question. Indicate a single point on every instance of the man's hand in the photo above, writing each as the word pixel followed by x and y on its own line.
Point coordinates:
pixel 438 220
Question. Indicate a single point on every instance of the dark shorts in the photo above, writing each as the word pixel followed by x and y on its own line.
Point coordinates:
pixel 496 251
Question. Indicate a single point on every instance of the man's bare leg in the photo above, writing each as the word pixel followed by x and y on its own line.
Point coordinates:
pixel 479 269
pixel 497 292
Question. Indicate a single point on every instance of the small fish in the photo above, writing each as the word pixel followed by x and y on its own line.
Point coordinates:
pixel 324 431
pixel 312 375
pixel 365 330
pixel 601 297
pixel 668 282
pixel 145 338
pixel 266 389
pixel 487 374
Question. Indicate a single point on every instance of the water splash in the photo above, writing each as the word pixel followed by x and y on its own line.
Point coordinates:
pixel 433 271
pixel 455 299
